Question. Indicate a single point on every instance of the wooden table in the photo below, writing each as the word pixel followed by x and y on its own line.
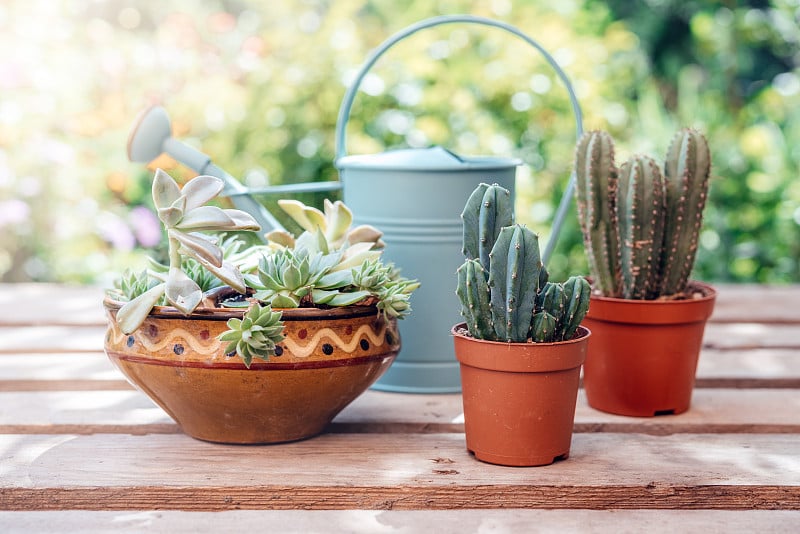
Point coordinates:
pixel 80 449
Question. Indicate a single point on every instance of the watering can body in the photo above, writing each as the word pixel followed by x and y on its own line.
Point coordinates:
pixel 415 197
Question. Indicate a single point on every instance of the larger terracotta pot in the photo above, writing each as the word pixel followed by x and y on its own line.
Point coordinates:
pixel 328 358
pixel 519 398
pixel 644 354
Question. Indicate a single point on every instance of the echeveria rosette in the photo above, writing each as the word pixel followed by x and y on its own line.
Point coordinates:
pixel 184 215
pixel 255 335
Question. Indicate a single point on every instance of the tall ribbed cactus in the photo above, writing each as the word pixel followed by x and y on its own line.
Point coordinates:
pixel 653 218
pixel 499 285
pixel 487 211
pixel 687 168
pixel 597 175
pixel 640 209
pixel 514 275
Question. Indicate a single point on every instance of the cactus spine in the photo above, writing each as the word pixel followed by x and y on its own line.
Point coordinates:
pixel 640 206
pixel 652 218
pixel 501 288
pixel 597 177
pixel 687 168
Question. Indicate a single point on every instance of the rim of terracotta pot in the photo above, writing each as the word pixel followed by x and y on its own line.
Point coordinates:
pixel 521 357
pixel 619 310
pixel 223 314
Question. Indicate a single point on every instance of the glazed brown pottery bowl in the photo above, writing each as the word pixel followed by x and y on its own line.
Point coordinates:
pixel 329 357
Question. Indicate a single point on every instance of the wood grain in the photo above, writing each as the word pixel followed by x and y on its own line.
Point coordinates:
pixel 705 471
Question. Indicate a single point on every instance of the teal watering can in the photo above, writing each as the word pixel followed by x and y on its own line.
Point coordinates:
pixel 414 196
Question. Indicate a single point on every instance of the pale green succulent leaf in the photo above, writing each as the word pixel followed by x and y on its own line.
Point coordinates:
pixel 281 300
pixel 197 246
pixel 339 218
pixel 348 299
pixel 357 254
pixel 281 237
pixel 365 234
pixel 298 212
pixel 133 313
pixel 182 292
pixel 336 279
pixel 200 190
pixel 228 273
pixel 206 218
pixel 165 190
pixel 242 220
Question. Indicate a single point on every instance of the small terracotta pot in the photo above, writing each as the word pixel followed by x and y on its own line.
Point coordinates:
pixel 644 353
pixel 328 358
pixel 519 398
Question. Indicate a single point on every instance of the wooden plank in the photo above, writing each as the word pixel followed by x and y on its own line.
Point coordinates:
pixel 131 412
pixel 407 522
pixel 51 338
pixel 399 471
pixel 51 304
pixel 754 368
pixel 757 303
pixel 740 336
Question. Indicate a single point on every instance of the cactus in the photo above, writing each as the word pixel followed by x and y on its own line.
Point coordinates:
pixel 640 208
pixel 559 310
pixel 473 291
pixel 514 275
pixel 504 292
pixel 686 170
pixel 651 219
pixel 487 211
pixel 576 302
pixel 597 177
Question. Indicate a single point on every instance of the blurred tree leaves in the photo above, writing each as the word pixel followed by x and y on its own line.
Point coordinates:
pixel 257 85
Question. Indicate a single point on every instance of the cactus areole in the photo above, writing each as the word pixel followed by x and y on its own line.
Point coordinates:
pixel 640 222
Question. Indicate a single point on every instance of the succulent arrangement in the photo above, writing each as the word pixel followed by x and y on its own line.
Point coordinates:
pixel 640 223
pixel 503 286
pixel 328 264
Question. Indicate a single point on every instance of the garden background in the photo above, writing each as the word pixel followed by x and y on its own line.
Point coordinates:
pixel 257 85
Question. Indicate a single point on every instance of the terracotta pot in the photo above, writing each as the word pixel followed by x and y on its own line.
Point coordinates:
pixel 644 354
pixel 519 398
pixel 328 358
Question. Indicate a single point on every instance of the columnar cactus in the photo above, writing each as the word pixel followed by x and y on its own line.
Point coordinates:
pixel 597 176
pixel 514 274
pixel 651 218
pixel 500 286
pixel 686 169
pixel 640 208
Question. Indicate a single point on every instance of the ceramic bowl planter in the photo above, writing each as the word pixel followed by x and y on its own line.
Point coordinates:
pixel 519 398
pixel 644 354
pixel 328 358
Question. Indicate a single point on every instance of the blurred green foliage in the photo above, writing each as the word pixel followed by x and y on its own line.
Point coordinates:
pixel 257 84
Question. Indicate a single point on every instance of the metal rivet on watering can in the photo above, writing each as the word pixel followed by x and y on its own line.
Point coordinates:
pixel 415 196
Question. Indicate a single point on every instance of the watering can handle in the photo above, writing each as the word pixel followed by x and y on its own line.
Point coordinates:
pixel 347 102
